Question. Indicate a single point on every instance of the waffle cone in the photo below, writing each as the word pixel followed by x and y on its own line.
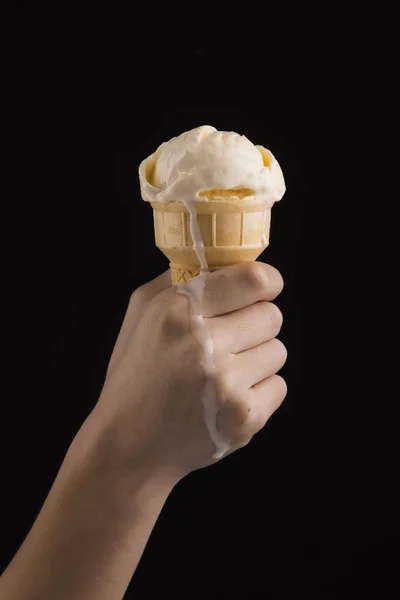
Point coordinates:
pixel 234 230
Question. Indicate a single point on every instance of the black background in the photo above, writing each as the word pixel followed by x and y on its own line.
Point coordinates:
pixel 309 508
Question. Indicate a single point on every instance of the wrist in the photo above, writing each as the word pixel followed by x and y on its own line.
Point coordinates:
pixel 98 451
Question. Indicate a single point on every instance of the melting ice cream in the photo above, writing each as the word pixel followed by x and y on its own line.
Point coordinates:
pixel 198 166
pixel 204 162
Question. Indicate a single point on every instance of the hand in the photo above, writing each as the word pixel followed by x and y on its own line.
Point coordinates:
pixel 151 405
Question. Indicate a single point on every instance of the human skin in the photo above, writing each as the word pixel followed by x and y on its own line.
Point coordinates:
pixel 147 431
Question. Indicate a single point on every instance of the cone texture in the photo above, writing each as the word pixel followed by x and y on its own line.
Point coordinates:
pixel 234 230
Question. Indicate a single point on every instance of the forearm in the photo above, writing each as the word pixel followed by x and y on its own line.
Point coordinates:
pixel 90 533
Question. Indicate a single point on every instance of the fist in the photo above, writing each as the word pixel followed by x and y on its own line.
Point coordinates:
pixel 152 406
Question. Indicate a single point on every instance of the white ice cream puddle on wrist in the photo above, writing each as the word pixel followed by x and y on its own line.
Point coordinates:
pixel 194 291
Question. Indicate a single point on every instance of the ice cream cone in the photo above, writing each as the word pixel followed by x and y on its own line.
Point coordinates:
pixel 234 229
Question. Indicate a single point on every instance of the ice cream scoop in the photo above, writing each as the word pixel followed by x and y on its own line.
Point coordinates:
pixel 204 161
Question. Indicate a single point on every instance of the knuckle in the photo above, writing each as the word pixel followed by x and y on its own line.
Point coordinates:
pixel 268 313
pixel 280 349
pixel 256 275
pixel 253 422
pixel 234 402
pixel 241 419
pixel 279 282
pixel 275 316
pixel 281 388
pixel 243 411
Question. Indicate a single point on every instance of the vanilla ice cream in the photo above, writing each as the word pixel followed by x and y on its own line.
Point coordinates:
pixel 204 163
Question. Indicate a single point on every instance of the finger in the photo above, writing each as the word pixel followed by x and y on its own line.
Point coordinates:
pixel 256 364
pixel 268 395
pixel 245 328
pixel 237 286
pixel 239 420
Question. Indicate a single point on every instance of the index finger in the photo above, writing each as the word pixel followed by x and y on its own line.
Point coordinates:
pixel 240 285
